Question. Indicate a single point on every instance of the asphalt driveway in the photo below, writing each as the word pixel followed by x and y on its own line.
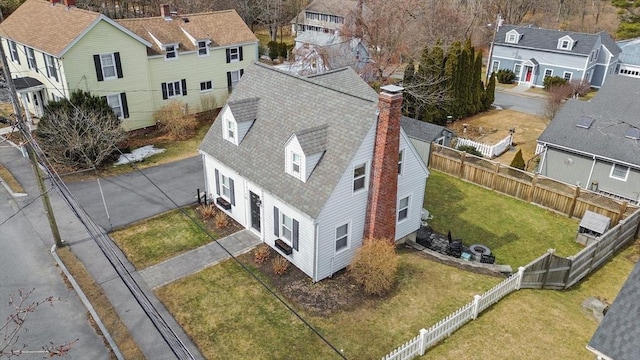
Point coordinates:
pixel 132 197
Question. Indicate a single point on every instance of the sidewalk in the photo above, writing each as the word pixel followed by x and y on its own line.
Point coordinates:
pixel 520 90
pixel 141 328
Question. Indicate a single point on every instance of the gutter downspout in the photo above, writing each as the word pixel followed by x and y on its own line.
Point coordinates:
pixel 315 250
pixel 542 160
pixel 591 173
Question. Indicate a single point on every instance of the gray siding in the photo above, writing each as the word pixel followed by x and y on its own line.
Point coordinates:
pixel 343 206
pixel 629 188
pixel 423 149
pixel 566 167
pixel 411 183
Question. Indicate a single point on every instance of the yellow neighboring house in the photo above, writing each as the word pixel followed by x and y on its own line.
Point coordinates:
pixel 138 65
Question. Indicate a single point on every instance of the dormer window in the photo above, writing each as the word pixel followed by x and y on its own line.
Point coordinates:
pixel 565 43
pixel 512 37
pixel 295 163
pixel 203 48
pixel 230 130
pixel 171 52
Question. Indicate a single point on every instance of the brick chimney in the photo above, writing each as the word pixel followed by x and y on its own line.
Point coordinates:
pixel 164 11
pixel 383 189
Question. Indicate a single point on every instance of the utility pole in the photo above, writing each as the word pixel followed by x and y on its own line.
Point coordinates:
pixel 32 154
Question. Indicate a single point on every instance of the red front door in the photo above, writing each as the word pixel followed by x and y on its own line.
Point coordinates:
pixel 529 71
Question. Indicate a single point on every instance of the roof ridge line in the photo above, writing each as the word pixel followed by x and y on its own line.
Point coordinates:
pixel 311 82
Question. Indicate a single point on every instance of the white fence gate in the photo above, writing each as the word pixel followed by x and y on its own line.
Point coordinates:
pixel 445 327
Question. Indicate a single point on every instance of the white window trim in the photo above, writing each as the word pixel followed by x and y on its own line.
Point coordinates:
pixel 401 161
pixel 119 105
pixel 365 176
pixel 562 42
pixel 226 129
pixel 545 73
pixel 50 64
pixel 293 172
pixel 31 58
pixel 611 174
pixel 512 38
pixel 210 82
pixel 177 90
pixel 167 52
pixel 235 83
pixel 206 47
pixel 231 54
pixel 289 240
pixel 408 197
pixel 564 75
pixel 13 49
pixel 224 187
pixel 348 235
pixel 113 64
pixel 495 66
pixel 519 72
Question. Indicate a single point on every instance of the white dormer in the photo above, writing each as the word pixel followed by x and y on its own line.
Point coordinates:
pixel 304 150
pixel 512 37
pixel 566 43
pixel 170 51
pixel 237 118
pixel 201 44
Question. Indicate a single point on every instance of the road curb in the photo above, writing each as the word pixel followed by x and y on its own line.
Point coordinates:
pixel 87 304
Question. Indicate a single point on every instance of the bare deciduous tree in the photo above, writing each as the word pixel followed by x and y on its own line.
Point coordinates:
pixel 15 325
pixel 556 96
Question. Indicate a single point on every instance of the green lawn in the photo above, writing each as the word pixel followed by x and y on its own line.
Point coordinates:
pixel 154 240
pixel 230 316
pixel 515 231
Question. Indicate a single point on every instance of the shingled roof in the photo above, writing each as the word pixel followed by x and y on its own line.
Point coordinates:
pixel 52 29
pixel 630 51
pixel 545 39
pixel 290 104
pixel 422 130
pixel 223 28
pixel 618 335
pixel 611 114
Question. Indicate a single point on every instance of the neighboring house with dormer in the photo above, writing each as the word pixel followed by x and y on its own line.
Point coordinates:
pixel 326 16
pixel 316 52
pixel 596 144
pixel 533 54
pixel 137 67
pixel 315 167
pixel 629 59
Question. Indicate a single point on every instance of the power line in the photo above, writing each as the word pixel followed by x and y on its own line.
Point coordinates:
pixel 106 247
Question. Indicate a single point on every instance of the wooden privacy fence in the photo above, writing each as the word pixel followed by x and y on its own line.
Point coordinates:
pixel 554 272
pixel 445 327
pixel 489 151
pixel 570 200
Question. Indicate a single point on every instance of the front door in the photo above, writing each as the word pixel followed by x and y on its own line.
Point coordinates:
pixel 255 211
pixel 529 72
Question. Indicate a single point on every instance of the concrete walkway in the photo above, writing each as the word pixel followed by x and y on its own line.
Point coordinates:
pixel 198 259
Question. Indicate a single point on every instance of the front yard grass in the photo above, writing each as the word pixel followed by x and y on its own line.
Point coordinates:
pixel 230 316
pixel 515 231
pixel 156 239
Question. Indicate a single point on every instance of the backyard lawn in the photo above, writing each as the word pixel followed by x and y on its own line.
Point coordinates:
pixel 515 231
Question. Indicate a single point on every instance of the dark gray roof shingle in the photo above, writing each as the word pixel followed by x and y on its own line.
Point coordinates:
pixel 347 81
pixel 291 104
pixel 422 130
pixel 614 110
pixel 630 51
pixel 618 335
pixel 313 140
pixel 244 109
pixel 544 39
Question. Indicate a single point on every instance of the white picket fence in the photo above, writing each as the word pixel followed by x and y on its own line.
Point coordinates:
pixel 445 327
pixel 490 151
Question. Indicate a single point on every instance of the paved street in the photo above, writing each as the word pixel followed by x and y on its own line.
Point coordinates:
pixel 26 263
pixel 124 194
pixel 521 103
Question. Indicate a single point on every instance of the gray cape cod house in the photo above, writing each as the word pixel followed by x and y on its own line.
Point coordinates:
pixel 596 144
pixel 312 165
pixel 533 53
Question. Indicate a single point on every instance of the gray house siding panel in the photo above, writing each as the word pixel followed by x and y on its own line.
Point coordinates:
pixel 344 206
pixel 566 60
pixel 566 167
pixel 599 72
pixel 629 188
pixel 411 183
pixel 423 148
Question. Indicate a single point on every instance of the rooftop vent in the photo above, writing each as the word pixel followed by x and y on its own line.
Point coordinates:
pixel 633 133
pixel 585 122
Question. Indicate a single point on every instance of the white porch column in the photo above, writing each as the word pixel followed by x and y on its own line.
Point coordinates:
pixel 25 105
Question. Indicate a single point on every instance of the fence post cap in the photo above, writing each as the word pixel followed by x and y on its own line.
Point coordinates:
pixel 423 331
pixel 521 268
pixel 477 297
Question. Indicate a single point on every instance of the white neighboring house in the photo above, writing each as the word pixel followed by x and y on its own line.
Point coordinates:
pixel 315 166
pixel 317 52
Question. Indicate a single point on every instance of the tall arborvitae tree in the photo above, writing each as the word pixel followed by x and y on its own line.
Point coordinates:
pixel 434 63
pixel 452 73
pixel 488 97
pixel 478 86
pixel 409 102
